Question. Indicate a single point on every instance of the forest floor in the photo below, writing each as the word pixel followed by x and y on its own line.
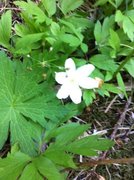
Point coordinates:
pixel 104 116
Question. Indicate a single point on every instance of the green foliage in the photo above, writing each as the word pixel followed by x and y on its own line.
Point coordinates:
pixel 126 22
pixel 45 34
pixel 48 163
pixel 129 66
pixel 50 6
pixel 33 10
pixel 25 106
pixel 67 6
pixel 5 29
pixel 104 62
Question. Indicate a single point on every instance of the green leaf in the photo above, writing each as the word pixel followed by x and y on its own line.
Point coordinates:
pixel 66 133
pixel 84 47
pixel 70 39
pixel 126 21
pixel 47 168
pixel 23 106
pixel 129 66
pixel 114 40
pixel 98 32
pixel 111 88
pixel 121 84
pixel 30 172
pixel 88 97
pixel 69 5
pixel 32 9
pixel 80 22
pixel 103 62
pixel 28 42
pixel 55 28
pixel 19 100
pixel 71 28
pixel 101 2
pixel 89 146
pixel 5 29
pixel 102 31
pixel 50 6
pixel 12 166
pixel 65 159
pixel 118 2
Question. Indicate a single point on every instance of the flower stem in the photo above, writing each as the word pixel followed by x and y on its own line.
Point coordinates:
pixel 123 63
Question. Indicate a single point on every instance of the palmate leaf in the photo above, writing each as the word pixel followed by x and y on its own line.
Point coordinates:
pixel 23 106
pixel 126 22
pixel 59 153
pixel 67 139
pixel 12 166
pixel 33 10
pixel 21 166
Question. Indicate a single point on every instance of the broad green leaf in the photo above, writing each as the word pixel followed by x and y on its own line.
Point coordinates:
pixel 121 84
pixel 28 42
pixel 19 100
pixel 97 32
pixel 114 40
pixel 80 22
pixel 47 168
pixel 126 21
pixel 23 106
pixel 5 29
pixel 55 28
pixel 111 88
pixel 103 62
pixel 50 6
pixel 119 16
pixel 65 159
pixel 32 9
pixel 89 146
pixel 118 2
pixel 84 47
pixel 21 30
pixel 12 166
pixel 69 5
pixel 30 172
pixel 71 28
pixel 129 66
pixel 88 97
pixel 102 31
pixel 70 39
pixel 66 133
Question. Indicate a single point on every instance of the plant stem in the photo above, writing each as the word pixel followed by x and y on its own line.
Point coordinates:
pixel 123 63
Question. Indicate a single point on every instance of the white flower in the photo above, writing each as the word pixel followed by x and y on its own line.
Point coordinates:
pixel 74 79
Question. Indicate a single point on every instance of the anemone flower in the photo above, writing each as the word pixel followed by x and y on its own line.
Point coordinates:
pixel 74 80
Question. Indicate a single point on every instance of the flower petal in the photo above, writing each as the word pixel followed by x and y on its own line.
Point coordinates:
pixel 70 66
pixel 60 77
pixel 75 94
pixel 63 92
pixel 85 70
pixel 88 83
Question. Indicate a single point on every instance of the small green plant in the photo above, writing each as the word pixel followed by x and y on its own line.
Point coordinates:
pixel 54 41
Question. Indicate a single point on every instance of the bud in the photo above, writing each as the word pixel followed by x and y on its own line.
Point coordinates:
pixel 100 81
pixel 44 76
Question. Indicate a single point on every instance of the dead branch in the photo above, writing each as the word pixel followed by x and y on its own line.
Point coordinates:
pixel 107 161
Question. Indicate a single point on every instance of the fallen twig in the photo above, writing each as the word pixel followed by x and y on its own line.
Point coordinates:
pixel 92 163
pixel 107 161
pixel 118 124
pixel 121 119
